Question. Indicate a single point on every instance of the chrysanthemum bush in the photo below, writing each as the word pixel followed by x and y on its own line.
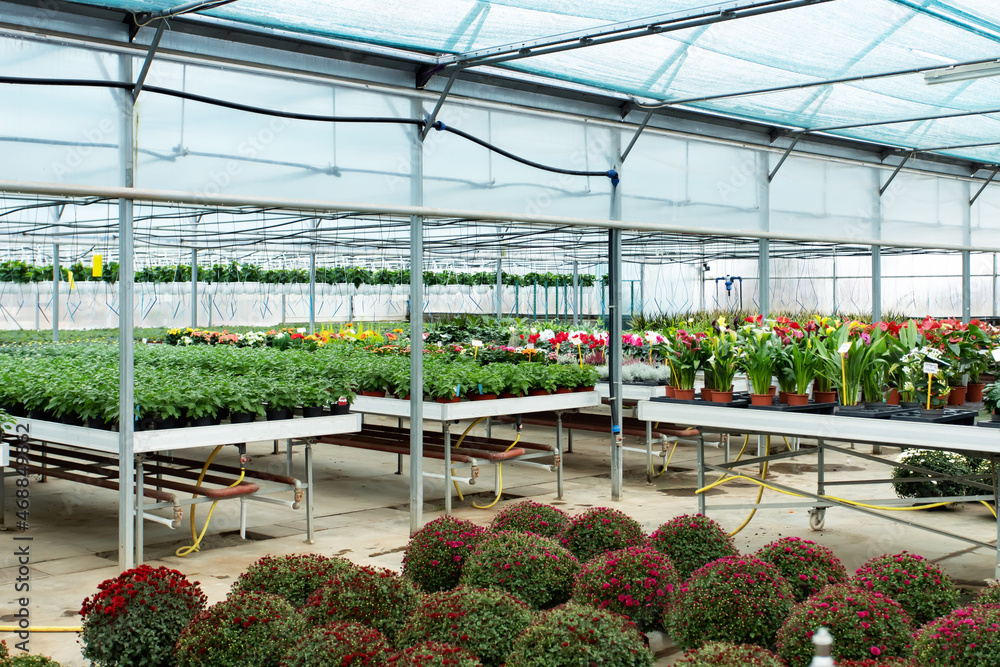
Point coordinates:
pixel 434 654
pixel 436 554
pixel 864 625
pixel 483 621
pixel 601 529
pixel 244 630
pixel 27 660
pixel 637 582
pixel 967 637
pixel 535 569
pixel 528 516
pixel 343 644
pixel 741 600
pixel 990 594
pixel 720 654
pixel 875 662
pixel 136 617
pixel 574 634
pixel 807 566
pixel 692 541
pixel 921 587
pixel 293 576
pixel 375 596
pixel 945 464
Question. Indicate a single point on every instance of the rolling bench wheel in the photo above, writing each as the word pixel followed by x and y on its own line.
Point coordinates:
pixel 817 517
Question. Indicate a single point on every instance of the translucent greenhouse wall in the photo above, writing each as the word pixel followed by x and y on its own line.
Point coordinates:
pixel 70 135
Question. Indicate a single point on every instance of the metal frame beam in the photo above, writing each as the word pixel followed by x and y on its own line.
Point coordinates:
pixel 440 103
pixel 154 45
pixel 788 152
pixel 920 119
pixel 899 167
pixel 635 137
pixel 985 185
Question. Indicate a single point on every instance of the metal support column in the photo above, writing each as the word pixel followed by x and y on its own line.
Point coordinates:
pixel 559 455
pixel 876 283
pixel 764 214
pixel 55 292
pixel 576 294
pixel 764 277
pixel 993 287
pixel 615 331
pixel 416 327
pixel 835 305
pixel 126 349
pixel 966 286
pixel 499 293
pixel 446 428
pixel 312 291
pixel 194 289
pixel 310 492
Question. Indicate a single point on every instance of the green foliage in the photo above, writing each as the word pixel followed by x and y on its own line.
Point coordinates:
pixel 135 618
pixel 484 621
pixel 691 541
pixel 535 569
pixel 436 554
pixel 705 608
pixel 945 464
pixel 807 566
pixel 967 637
pixel 342 644
pixel 599 530
pixel 574 634
pixel 720 654
pixel 637 582
pixel 923 589
pixel 26 660
pixel 527 516
pixel 293 577
pixel 990 594
pixel 435 654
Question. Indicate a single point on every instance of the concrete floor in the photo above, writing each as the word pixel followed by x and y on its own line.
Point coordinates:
pixel 361 510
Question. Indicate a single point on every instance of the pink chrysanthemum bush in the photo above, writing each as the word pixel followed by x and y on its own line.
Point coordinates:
pixel 528 516
pixel 864 625
pixel 136 617
pixel 921 587
pixel 434 654
pixel 601 529
pixel 437 553
pixel 738 599
pixel 244 630
pixel 692 541
pixel 483 621
pixel 374 596
pixel 719 654
pixel 573 634
pixel 967 637
pixel 344 644
pixel 293 576
pixel 807 566
pixel 637 582
pixel 990 594
pixel 875 662
pixel 537 570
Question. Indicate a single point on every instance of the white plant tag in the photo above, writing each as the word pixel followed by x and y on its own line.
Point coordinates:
pixel 996 353
pixel 844 349
pixel 531 346
pixel 476 343
pixel 930 367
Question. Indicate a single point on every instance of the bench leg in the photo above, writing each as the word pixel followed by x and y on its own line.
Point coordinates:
pixel 275 448
pixel 701 473
pixel 140 485
pixel 399 457
pixel 309 493
pixel 569 441
pixel 559 465
pixel 447 468
pixel 243 518
pixel 288 458
pixel 649 452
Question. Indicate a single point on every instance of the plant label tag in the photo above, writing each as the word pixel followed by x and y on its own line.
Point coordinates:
pixel 342 400
pixel 930 367
pixel 476 343
pixel 844 349
pixel 996 353
pixel 301 329
pixel 531 346
pixel 4 454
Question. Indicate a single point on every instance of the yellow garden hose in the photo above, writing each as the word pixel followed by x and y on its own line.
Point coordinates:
pixel 987 505
pixel 760 493
pixel 196 545
pixel 499 467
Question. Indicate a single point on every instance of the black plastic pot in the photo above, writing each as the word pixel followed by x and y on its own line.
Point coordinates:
pixel 73 419
pixel 315 411
pixel 15 410
pixel 241 417
pixel 340 409
pixel 42 415
pixel 205 421
pixel 171 422
pixel 277 414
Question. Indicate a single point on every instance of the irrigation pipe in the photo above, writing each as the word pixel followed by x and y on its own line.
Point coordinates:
pixel 499 467
pixel 196 544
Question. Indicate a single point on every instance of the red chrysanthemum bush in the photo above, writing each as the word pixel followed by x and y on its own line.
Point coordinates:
pixel 437 552
pixel 29 660
pixel 990 594
pixel 244 630
pixel 535 569
pixel 483 621
pixel 528 516
pixel 875 662
pixel 921 587
pixel 637 582
pixel 692 541
pixel 599 530
pixel 434 654
pixel 740 600
pixel 374 596
pixel 136 617
pixel 720 654
pixel 807 566
pixel 864 625
pixel 343 644
pixel 967 637
pixel 293 576
pixel 574 634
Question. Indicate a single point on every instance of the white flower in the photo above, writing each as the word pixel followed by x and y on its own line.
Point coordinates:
pixel 548 334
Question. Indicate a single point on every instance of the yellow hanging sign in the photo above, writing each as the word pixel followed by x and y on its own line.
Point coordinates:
pixel 98 266
pixel 69 276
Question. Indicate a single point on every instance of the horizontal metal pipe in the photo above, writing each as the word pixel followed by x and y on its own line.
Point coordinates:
pixel 169 523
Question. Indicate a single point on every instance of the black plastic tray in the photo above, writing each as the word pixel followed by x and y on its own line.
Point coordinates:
pixel 883 412
pixel 945 416
pixel 988 423
pixel 735 403
pixel 811 408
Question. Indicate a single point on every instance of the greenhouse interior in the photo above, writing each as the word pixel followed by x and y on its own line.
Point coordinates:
pixel 499 333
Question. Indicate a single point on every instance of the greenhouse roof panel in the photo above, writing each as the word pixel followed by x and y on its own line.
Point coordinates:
pixel 797 48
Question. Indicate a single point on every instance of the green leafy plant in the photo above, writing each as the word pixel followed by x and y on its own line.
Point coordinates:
pixel 344 644
pixel 637 582
pixel 135 618
pixel 923 589
pixel 27 660
pixel 807 566
pixel 601 529
pixel 945 464
pixel 967 637
pixel 244 630
pixel 703 608
pixel 527 516
pixel 865 625
pixel 724 359
pixel 435 654
pixel 293 577
pixel 865 352
pixel 990 594
pixel 720 654
pixel 535 569
pixel 991 397
pixel 758 358
pixel 483 621
pixel 574 634
pixel 437 553
pixel 692 541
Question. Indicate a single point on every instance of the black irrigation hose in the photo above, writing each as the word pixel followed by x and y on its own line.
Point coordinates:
pixel 120 85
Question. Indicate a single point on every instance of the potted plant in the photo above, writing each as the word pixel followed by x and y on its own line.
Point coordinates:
pixel 281 399
pixel 243 399
pixel 757 361
pixel 801 363
pixel 314 396
pixel 724 362
pixel 487 383
pixel 991 400
pixel 517 382
pixel 683 354
pixel 849 355
pixel 443 384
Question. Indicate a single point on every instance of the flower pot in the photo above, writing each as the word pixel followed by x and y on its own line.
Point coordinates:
pixel 684 394
pixel 108 426
pixel 447 399
pixel 974 392
pixel 538 392
pixel 935 410
pixel 798 399
pixel 207 420
pixel 893 398
pixel 171 422
pixel 825 396
pixel 18 410
pixel 671 391
pixel 580 389
pixel 957 396
pixel 314 411
pixel 241 417
pixel 783 397
pixel 722 397
pixel 909 404
pixel 72 419
pixel 41 415
pixel 706 394
pixel 338 410
pixel 507 394
pixel 761 399
pixel 995 417
pixel 277 414
pixel 482 397
pixel 564 390
pixel 773 389
pixel 373 394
